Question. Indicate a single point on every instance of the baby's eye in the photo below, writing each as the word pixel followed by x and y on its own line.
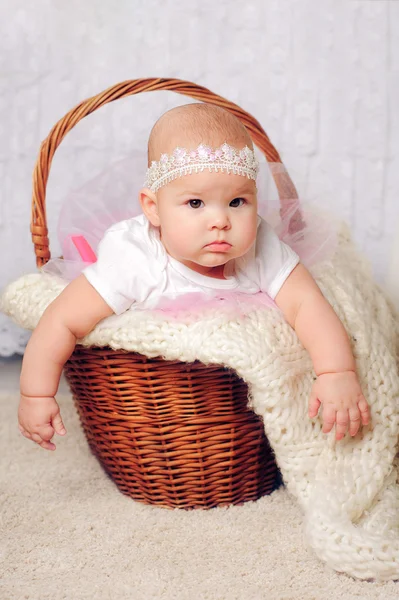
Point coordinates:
pixel 237 202
pixel 195 203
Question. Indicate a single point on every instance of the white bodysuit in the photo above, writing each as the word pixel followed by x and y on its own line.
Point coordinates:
pixel 134 271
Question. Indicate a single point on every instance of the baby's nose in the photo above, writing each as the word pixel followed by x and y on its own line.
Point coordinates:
pixel 220 220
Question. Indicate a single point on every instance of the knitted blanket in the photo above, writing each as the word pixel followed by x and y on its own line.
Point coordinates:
pixel 348 490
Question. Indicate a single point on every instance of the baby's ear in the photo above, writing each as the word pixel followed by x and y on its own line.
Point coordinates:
pixel 149 205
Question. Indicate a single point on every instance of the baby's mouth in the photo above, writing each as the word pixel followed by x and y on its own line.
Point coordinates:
pixel 219 246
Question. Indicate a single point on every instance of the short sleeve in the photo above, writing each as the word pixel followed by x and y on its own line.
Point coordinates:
pixel 126 270
pixel 270 261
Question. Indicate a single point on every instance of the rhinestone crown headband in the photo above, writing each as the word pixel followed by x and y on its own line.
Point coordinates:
pixel 183 162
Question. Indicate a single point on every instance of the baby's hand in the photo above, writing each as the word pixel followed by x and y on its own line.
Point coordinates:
pixel 343 403
pixel 39 418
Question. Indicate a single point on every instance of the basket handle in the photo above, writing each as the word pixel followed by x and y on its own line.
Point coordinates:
pixel 39 231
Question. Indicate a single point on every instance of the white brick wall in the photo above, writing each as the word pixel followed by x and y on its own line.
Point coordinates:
pixel 321 77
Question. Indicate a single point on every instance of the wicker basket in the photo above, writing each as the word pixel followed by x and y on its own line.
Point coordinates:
pixel 167 432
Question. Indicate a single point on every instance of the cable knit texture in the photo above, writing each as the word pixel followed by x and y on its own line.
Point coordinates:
pixel 348 490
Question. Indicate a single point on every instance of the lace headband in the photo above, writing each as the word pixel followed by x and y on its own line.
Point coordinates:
pixel 183 162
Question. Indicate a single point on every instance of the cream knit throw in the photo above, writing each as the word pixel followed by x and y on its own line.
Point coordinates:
pixel 348 490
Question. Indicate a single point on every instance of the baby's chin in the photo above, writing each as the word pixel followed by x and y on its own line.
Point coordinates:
pixel 200 264
pixel 215 260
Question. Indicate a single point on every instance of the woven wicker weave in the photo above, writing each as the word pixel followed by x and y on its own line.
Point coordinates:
pixel 168 433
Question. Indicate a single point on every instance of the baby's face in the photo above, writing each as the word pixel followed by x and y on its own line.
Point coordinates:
pixel 207 219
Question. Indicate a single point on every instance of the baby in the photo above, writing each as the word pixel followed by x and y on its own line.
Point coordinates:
pixel 199 232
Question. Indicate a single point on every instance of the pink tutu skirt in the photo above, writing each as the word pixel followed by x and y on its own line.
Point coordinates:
pixel 113 196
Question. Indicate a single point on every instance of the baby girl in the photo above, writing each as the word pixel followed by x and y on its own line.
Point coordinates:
pixel 199 231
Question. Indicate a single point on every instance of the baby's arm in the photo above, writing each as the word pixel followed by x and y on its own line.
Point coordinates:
pixel 72 315
pixel 321 332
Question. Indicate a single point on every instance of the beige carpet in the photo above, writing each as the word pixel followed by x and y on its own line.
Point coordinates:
pixel 68 533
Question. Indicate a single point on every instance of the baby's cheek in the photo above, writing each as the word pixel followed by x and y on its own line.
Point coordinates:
pixel 180 237
pixel 248 234
pixel 181 233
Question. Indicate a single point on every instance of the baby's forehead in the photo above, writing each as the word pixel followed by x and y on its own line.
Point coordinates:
pixel 208 182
